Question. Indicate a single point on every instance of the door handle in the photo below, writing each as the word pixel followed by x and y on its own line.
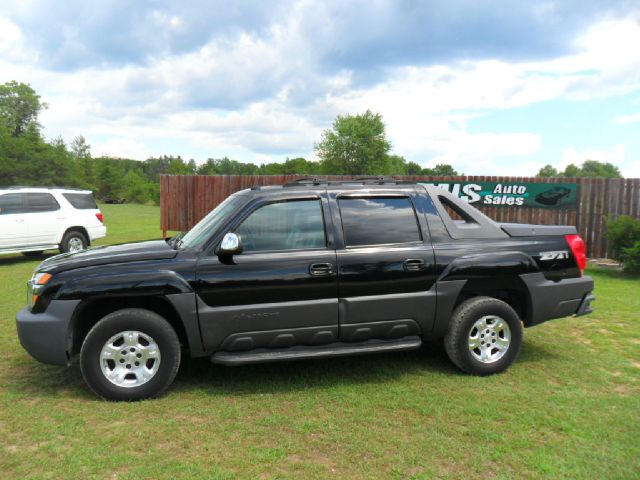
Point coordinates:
pixel 321 269
pixel 414 264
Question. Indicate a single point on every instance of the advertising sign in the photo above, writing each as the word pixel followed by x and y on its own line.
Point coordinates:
pixel 511 194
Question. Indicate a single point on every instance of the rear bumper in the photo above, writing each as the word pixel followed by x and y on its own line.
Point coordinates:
pixel 549 299
pixel 97 232
pixel 46 335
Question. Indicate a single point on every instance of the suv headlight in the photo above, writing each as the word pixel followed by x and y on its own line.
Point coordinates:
pixel 35 286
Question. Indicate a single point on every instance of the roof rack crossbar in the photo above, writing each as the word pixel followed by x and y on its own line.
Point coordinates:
pixel 306 181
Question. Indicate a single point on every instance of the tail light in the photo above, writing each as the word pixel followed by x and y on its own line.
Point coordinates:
pixel 579 250
pixel 100 217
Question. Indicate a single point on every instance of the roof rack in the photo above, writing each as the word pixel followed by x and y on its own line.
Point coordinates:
pixel 20 187
pixel 48 187
pixel 372 180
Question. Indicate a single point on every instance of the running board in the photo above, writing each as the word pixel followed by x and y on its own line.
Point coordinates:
pixel 338 349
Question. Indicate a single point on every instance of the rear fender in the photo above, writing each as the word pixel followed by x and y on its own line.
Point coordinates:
pixel 489 265
pixel 498 269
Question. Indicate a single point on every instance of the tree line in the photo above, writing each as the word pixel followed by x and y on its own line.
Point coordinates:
pixel 354 145
pixel 589 168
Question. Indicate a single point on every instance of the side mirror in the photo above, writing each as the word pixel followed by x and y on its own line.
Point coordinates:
pixel 231 244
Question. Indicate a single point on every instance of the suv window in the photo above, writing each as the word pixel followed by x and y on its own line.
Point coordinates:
pixel 81 201
pixel 378 221
pixel 289 225
pixel 12 203
pixel 41 202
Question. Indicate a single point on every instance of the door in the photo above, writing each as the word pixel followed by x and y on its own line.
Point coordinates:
pixel 13 227
pixel 386 267
pixel 45 219
pixel 281 290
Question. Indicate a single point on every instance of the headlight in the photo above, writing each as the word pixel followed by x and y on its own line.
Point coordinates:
pixel 40 278
pixel 35 285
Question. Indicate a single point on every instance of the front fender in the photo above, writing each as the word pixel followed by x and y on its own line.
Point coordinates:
pixel 141 282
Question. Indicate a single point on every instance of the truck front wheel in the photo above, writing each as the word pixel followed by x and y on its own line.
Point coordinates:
pixel 484 336
pixel 130 354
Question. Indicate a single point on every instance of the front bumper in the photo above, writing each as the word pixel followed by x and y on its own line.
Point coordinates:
pixel 549 299
pixel 46 336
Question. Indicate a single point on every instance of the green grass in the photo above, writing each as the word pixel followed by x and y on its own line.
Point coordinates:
pixel 568 408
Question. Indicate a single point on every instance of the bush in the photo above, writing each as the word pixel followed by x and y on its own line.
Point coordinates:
pixel 624 235
pixel 631 258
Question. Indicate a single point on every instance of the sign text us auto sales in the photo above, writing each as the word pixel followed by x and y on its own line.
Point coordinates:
pixel 509 194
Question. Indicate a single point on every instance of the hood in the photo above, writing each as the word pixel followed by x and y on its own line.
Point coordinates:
pixel 128 252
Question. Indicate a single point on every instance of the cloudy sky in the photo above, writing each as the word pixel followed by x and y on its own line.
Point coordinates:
pixel 492 87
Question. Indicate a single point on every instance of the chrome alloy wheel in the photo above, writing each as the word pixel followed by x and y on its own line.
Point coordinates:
pixel 75 244
pixel 130 359
pixel 489 339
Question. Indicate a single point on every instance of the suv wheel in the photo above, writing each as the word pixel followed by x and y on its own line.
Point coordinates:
pixel 73 241
pixel 484 336
pixel 130 354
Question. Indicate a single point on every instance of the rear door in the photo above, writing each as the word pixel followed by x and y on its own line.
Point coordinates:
pixel 385 265
pixel 282 289
pixel 44 218
pixel 13 227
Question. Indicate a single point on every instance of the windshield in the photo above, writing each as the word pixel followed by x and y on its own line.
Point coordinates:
pixel 203 230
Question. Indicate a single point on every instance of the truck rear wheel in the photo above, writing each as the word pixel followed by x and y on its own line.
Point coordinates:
pixel 130 354
pixel 484 336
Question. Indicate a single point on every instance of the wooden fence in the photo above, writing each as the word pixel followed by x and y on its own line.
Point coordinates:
pixel 184 200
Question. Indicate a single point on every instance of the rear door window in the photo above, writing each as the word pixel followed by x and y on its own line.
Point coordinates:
pixel 378 221
pixel 12 203
pixel 81 201
pixel 41 202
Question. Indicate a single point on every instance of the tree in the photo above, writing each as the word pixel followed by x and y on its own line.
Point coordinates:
pixel 80 149
pixel 571 171
pixel 394 165
pixel 594 168
pixel 413 169
pixel 355 145
pixel 548 171
pixel 440 170
pixel 19 108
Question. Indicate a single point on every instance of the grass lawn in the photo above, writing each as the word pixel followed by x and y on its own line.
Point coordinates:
pixel 568 408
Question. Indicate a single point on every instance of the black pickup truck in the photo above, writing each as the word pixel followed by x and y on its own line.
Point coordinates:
pixel 310 269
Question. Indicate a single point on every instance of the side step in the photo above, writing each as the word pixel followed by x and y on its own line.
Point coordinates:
pixel 338 349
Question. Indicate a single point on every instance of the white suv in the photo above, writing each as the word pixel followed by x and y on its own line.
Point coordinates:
pixel 34 219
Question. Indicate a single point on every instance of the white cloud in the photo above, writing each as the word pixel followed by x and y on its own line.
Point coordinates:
pixel 121 147
pixel 626 119
pixel 12 44
pixel 267 96
pixel 615 155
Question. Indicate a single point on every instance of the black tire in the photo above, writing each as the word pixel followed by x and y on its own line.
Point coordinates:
pixel 462 328
pixel 71 238
pixel 149 324
pixel 33 254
